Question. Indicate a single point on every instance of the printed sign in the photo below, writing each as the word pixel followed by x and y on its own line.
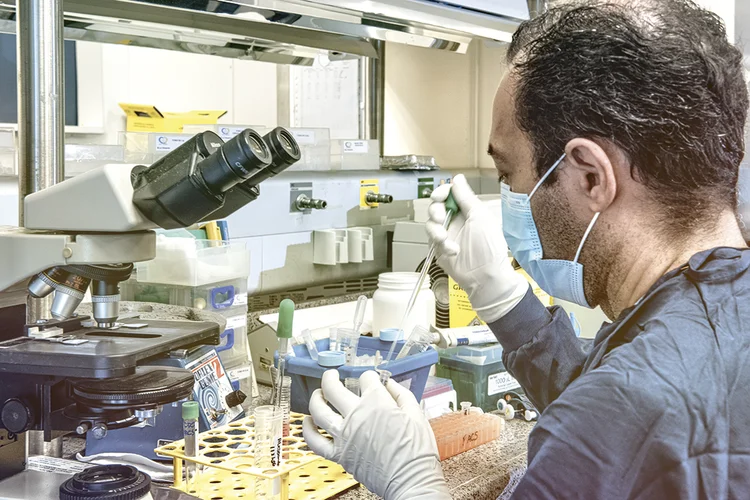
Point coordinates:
pixel 304 136
pixel 169 142
pixel 359 147
pixel 501 382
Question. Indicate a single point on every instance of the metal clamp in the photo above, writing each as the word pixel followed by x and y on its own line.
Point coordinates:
pixel 372 198
pixel 306 203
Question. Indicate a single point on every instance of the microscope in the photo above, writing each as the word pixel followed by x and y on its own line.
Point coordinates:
pixel 77 374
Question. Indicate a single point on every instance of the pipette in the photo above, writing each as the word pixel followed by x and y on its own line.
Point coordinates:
pixel 359 312
pixel 451 208
pixel 284 334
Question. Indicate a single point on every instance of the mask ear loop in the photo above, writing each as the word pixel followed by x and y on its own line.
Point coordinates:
pixel 586 235
pixel 546 174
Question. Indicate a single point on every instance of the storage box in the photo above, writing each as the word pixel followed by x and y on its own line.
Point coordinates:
pixel 354 154
pixel 226 132
pixel 189 262
pixel 147 118
pixel 222 297
pixel 315 148
pixel 478 374
pixel 80 158
pixel 411 372
pixel 146 148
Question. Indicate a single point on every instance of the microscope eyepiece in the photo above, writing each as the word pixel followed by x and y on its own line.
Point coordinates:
pixel 236 161
pixel 192 182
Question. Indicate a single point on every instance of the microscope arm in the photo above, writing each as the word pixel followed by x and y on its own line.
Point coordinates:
pixel 26 253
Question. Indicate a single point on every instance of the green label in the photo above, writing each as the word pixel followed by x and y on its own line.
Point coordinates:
pixel 425 186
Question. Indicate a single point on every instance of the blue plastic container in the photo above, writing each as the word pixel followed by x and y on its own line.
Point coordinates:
pixel 412 371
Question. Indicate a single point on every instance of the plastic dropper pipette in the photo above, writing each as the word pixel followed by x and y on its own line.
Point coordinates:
pixel 451 208
pixel 283 334
pixel 359 312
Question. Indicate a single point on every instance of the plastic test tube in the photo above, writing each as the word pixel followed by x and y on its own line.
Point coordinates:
pixel 267 448
pixel 310 343
pixel 418 341
pixel 190 432
pixel 348 341
pixel 333 339
pixel 352 384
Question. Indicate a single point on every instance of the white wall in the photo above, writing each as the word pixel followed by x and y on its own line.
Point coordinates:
pixel 429 104
pixel 725 9
pixel 173 81
pixel 492 67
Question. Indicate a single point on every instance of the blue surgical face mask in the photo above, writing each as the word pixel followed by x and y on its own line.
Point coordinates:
pixel 562 279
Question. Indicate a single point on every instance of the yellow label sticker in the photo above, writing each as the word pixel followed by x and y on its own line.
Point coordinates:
pixel 368 186
pixel 460 311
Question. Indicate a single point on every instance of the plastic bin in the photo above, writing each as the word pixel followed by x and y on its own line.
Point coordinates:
pixel 220 297
pixel 189 262
pixel 226 132
pixel 315 148
pixel 145 148
pixel 80 158
pixel 478 374
pixel 411 372
pixel 354 154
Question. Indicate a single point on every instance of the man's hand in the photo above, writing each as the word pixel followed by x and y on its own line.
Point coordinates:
pixel 473 251
pixel 382 438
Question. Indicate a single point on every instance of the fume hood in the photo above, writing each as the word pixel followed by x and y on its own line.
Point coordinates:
pixel 285 31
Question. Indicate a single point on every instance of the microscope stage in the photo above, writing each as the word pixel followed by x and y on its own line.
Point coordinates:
pixel 106 353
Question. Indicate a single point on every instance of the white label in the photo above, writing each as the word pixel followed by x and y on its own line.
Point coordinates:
pixel 359 147
pixel 160 443
pixel 240 300
pixel 304 136
pixel 169 142
pixel 60 465
pixel 501 382
pixel 240 373
pixel 236 322
pixel 227 133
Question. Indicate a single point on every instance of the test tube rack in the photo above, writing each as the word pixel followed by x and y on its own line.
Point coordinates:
pixel 228 468
pixel 458 432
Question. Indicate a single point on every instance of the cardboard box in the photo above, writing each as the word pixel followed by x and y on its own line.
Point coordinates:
pixel 146 118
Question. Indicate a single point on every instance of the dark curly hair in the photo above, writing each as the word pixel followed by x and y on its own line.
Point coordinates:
pixel 657 78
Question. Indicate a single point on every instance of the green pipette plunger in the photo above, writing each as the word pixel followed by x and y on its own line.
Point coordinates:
pixel 283 333
pixel 450 205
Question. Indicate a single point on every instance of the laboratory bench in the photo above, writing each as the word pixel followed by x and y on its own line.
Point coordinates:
pixel 478 474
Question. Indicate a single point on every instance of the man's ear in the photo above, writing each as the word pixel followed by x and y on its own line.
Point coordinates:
pixel 593 171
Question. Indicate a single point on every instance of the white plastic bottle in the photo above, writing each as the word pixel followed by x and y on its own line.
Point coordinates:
pixel 390 299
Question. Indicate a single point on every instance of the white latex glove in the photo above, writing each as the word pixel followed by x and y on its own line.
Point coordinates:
pixel 473 251
pixel 381 438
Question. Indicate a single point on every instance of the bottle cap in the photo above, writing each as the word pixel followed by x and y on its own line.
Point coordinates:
pixel 331 359
pixel 111 482
pixel 286 318
pixel 391 334
pixel 190 410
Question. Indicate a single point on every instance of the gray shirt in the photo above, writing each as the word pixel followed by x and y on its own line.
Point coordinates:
pixel 658 406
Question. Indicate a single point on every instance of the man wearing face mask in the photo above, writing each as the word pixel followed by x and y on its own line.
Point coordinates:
pixel 618 133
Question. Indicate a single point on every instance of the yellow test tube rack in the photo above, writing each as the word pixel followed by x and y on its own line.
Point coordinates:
pixel 228 467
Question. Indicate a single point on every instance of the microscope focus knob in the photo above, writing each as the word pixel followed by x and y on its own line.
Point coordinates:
pixel 16 416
